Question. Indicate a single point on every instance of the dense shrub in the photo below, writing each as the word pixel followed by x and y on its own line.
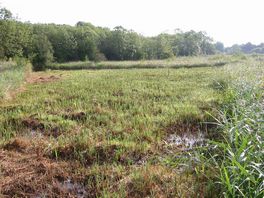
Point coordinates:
pixel 85 41
pixel 43 52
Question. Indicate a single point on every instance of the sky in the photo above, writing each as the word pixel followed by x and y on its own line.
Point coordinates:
pixel 228 21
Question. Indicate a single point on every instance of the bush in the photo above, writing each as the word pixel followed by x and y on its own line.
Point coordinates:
pixel 100 57
pixel 42 52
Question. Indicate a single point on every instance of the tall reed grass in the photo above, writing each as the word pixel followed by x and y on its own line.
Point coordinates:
pixel 239 155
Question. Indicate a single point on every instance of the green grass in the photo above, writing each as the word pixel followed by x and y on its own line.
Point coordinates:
pixel 12 75
pixel 126 116
pixel 110 97
pixel 233 160
pixel 115 123
pixel 181 62
pixel 239 156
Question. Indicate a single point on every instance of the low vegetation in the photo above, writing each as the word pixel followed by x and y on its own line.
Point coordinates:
pixel 113 123
pixel 239 156
pixel 12 74
pixel 136 133
pixel 176 63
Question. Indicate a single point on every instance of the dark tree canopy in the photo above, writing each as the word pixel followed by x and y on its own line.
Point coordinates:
pixel 84 41
pixel 42 52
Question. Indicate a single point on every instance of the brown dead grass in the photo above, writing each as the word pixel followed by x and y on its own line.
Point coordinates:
pixel 33 124
pixel 12 94
pixel 25 172
pixel 42 78
pixel 183 128
pixel 101 153
pixel 157 181
pixel 38 127
pixel 18 144
pixel 27 175
pixel 32 78
pixel 75 115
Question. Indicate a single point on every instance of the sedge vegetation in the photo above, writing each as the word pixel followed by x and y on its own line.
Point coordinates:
pixel 239 155
pixel 109 132
pixel 113 125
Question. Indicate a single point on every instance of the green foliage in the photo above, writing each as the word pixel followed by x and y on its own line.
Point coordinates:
pixel 236 155
pixel 87 42
pixel 42 52
pixel 122 44
pixel 192 44
pixel 241 167
pixel 163 47
pixel 219 47
pixel 15 37
pixel 86 45
pixel 62 40
pixel 247 48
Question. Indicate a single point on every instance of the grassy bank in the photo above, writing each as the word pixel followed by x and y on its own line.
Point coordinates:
pixel 177 63
pixel 12 75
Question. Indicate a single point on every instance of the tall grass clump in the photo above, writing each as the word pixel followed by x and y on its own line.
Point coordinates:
pixel 12 74
pixel 239 156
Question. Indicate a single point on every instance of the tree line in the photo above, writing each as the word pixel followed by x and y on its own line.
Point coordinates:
pixel 247 48
pixel 45 43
